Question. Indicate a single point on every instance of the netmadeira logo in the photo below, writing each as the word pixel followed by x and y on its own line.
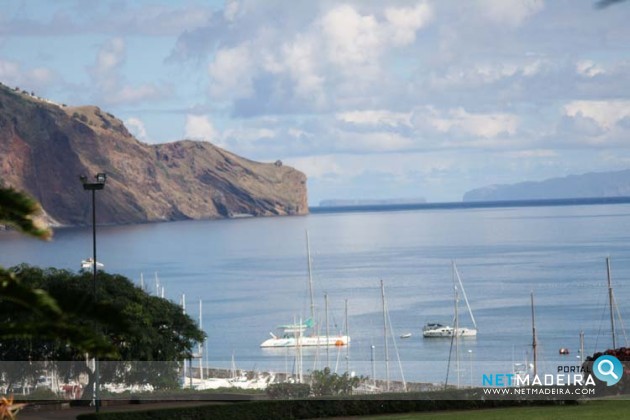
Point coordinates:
pixel 606 368
pixel 559 379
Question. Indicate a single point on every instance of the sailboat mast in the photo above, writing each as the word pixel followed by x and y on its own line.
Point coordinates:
pixel 184 312
pixel 310 276
pixel 385 335
pixel 461 286
pixel 298 352
pixel 610 299
pixel 347 335
pixel 534 335
pixel 456 329
pixel 581 346
pixel 327 331
pixel 201 343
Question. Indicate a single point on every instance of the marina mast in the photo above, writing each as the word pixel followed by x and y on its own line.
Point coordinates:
pixel 385 335
pixel 610 299
pixel 534 344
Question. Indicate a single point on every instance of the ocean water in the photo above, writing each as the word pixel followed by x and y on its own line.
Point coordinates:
pixel 251 275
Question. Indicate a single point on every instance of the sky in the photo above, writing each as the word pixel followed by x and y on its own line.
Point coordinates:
pixel 370 99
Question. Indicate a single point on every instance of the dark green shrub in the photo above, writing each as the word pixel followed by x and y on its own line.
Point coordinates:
pixel 285 391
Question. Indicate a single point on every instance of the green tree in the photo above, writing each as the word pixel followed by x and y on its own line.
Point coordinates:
pixel 46 319
pixel 51 315
pixel 326 383
pixel 150 334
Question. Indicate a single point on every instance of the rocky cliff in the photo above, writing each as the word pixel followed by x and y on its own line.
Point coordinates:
pixel 44 148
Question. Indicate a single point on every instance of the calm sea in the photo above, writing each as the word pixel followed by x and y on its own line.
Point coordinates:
pixel 251 275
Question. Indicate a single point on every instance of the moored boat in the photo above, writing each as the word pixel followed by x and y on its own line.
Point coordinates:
pixel 293 335
pixel 434 329
pixel 305 334
pixel 89 264
pixel 438 330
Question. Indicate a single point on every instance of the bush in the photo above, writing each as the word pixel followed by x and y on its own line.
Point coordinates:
pixel 288 391
pixel 326 383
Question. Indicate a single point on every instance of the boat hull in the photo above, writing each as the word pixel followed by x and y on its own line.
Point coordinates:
pixel 449 331
pixel 322 341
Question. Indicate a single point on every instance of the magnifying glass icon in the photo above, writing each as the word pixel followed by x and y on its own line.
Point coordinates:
pixel 608 371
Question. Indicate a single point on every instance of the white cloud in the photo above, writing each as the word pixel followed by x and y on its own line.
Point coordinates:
pixel 137 18
pixel 510 12
pixel 14 74
pixel 199 127
pixel 480 125
pixel 108 60
pixel 107 75
pixel 588 68
pixel 468 75
pixel 297 133
pixel 353 39
pixel 136 128
pixel 158 20
pixel 131 95
pixel 9 70
pixel 533 68
pixel 41 75
pixel 343 167
pixel 299 59
pixel 605 113
pixel 349 37
pixel 318 166
pixel 536 153
pixel 375 118
pixel 405 22
pixel 249 134
pixel 337 54
pixel 231 10
pixel 371 142
pixel 231 73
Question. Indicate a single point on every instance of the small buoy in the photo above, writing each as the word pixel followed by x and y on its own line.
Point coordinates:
pixel 563 350
pixel 339 343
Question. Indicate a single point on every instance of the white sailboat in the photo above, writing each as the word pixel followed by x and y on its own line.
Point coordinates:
pixel 301 334
pixel 434 329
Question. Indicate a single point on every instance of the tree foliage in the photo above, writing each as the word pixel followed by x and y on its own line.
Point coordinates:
pixel 45 318
pixel 18 210
pixel 288 391
pixel 149 331
pixel 326 383
pixel 50 315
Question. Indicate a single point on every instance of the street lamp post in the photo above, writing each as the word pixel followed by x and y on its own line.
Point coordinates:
pixel 93 186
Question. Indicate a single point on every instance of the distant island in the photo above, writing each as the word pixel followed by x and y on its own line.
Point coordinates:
pixel 370 202
pixel 592 185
